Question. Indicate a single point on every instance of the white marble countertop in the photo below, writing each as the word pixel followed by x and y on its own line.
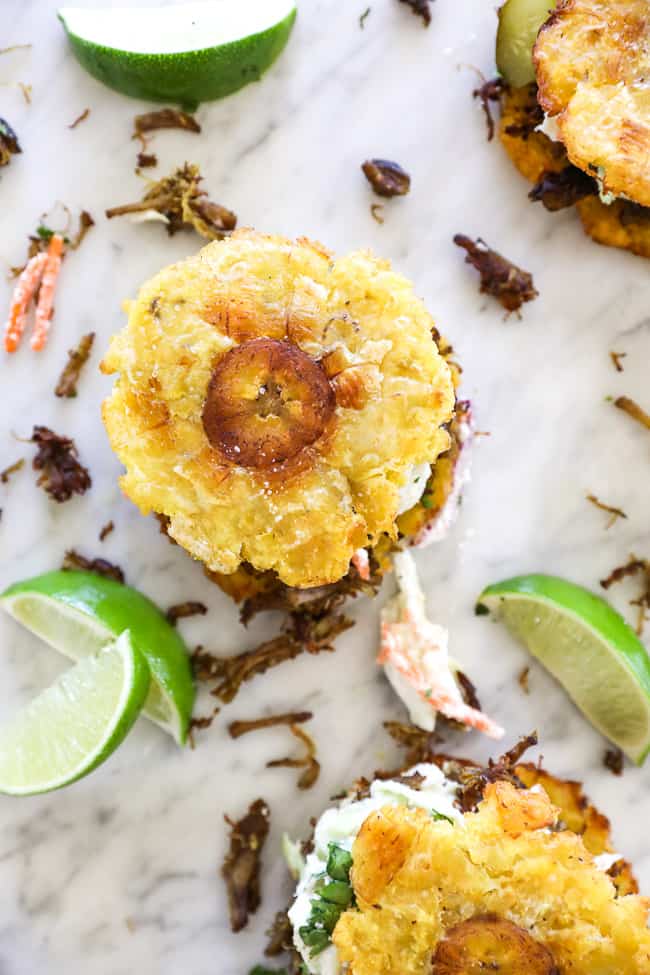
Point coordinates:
pixel 119 874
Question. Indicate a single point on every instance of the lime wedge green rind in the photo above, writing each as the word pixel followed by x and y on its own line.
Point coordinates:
pixel 78 613
pixel 184 77
pixel 587 646
pixel 76 724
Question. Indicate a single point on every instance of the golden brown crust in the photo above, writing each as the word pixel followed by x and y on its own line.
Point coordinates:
pixel 592 61
pixel 354 321
pixel 540 879
pixel 620 224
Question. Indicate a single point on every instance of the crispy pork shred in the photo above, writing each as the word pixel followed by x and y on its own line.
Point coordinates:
pixel 5 475
pixel 472 780
pixel 241 866
pixel 181 203
pixel 634 567
pixel 238 728
pixel 422 8
pixel 559 190
pixel 181 611
pixel 9 144
pixel 80 118
pixel 61 475
pixel 301 634
pixel 66 386
pixel 73 560
pixel 307 762
pixel 613 760
pixel 164 118
pixel 509 284
pixel 633 409
pixel 614 513
pixel 616 360
pixel 489 91
pixel 106 530
pixel 386 178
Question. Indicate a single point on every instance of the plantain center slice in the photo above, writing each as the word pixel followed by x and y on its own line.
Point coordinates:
pixel 487 943
pixel 266 401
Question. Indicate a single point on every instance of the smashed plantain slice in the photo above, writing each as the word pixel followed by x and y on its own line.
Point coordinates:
pixel 507 890
pixel 619 224
pixel 272 402
pixel 491 943
pixel 592 59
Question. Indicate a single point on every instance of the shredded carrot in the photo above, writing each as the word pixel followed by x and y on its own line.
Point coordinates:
pixel 45 306
pixel 24 292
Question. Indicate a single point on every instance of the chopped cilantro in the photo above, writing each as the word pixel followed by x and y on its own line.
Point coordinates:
pixel 437 816
pixel 339 862
pixel 426 501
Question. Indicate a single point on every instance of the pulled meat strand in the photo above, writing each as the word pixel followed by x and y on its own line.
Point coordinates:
pixel 164 118
pixel 559 190
pixel 473 780
pixel 66 386
pixel 106 530
pixel 308 761
pixel 490 91
pixel 61 473
pixel 80 118
pixel 73 560
pixel 502 279
pixel 241 866
pixel 12 469
pixel 634 410
pixel 181 611
pixel 615 513
pixel 238 728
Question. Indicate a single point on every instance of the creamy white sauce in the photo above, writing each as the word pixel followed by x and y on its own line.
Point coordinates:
pixel 550 128
pixel 341 824
pixel 411 492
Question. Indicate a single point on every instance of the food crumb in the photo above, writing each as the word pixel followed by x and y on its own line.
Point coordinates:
pixel 614 513
pixel 12 469
pixel 616 359
pixel 377 211
pixel 106 530
pixel 74 561
pixel 80 118
pixel 613 760
pixel 387 178
pixel 522 680
pixel 509 284
pixel 363 17
pixel 66 386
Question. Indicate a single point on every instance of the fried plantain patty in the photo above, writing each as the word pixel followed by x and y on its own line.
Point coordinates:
pixel 543 904
pixel 592 62
pixel 619 224
pixel 272 400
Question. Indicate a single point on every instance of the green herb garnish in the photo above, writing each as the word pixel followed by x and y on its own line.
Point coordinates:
pixel 339 862
pixel 426 501
pixel 436 816
pixel 334 895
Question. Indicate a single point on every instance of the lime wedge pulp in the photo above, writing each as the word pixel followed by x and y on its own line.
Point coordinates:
pixel 186 53
pixel 79 613
pixel 587 646
pixel 73 726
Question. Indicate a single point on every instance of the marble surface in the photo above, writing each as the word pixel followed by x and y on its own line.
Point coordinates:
pixel 119 874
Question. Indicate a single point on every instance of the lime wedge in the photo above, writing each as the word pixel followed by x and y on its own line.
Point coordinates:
pixel 187 53
pixel 79 613
pixel 73 726
pixel 519 24
pixel 589 649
